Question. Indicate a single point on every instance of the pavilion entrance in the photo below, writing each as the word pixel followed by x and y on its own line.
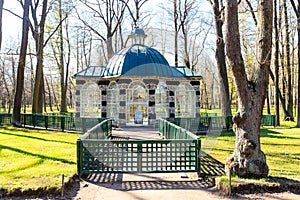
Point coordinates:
pixel 137 104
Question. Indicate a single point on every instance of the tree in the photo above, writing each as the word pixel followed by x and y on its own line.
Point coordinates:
pixel 289 95
pixel 21 66
pixel 217 6
pixel 61 47
pixel 297 13
pixel 276 65
pixel 38 34
pixel 1 11
pixel 135 14
pixel 248 160
pixel 176 31
pixel 107 14
pixel 173 11
pixel 187 14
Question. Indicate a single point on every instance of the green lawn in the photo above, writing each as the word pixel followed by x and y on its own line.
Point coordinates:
pixel 281 146
pixel 31 159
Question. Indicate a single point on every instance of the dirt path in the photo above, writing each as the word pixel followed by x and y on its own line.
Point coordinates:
pixel 158 186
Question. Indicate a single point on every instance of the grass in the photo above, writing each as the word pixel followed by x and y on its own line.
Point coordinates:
pixel 32 159
pixel 281 146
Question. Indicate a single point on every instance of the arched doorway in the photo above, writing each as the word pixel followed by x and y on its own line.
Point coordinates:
pixel 113 101
pixel 185 101
pixel 161 101
pixel 137 104
pixel 90 100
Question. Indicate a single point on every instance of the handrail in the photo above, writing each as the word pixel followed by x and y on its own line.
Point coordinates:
pixel 100 131
pixel 173 131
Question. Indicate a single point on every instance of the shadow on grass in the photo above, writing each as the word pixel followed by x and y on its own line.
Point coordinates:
pixel 36 155
pixel 37 138
pixel 210 166
pixel 264 132
pixel 36 163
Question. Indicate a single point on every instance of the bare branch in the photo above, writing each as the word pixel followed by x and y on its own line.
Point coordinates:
pixel 295 8
pixel 252 12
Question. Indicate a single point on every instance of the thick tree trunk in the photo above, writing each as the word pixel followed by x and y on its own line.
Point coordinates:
pixel 221 61
pixel 21 67
pixel 247 159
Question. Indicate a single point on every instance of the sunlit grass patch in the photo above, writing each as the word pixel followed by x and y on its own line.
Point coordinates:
pixel 31 159
pixel 281 146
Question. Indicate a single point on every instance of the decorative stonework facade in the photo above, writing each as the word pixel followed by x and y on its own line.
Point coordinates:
pixel 124 117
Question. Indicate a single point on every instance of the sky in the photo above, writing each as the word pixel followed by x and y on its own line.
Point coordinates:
pixel 12 25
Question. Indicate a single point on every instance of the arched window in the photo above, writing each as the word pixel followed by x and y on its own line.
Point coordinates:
pixel 113 101
pixel 90 100
pixel 137 103
pixel 161 101
pixel 185 101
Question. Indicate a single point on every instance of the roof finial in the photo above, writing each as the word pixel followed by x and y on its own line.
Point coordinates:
pixel 138 36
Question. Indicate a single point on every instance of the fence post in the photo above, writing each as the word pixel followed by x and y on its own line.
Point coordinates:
pixel 198 157
pixel 62 123
pixel 83 125
pixel 46 121
pixel 79 157
pixel 33 120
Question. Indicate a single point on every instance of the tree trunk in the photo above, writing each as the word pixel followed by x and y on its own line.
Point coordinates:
pixel 268 103
pixel 21 67
pixel 109 46
pixel 185 44
pixel 37 102
pixel 247 159
pixel 276 66
pixel 289 95
pixel 221 61
pixel 49 95
pixel 1 11
pixel 63 103
pixel 176 30
pixel 67 67
pixel 298 32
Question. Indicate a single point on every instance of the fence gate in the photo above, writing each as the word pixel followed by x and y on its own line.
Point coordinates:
pixel 136 156
pixel 97 154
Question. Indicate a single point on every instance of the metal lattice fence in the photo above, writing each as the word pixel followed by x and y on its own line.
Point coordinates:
pixel 66 122
pixel 179 153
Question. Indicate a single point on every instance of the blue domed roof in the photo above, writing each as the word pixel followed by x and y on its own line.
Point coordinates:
pixel 139 60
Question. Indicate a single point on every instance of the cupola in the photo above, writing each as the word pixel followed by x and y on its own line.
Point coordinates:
pixel 137 36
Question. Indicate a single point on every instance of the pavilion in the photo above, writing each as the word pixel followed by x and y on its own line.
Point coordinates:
pixel 137 87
